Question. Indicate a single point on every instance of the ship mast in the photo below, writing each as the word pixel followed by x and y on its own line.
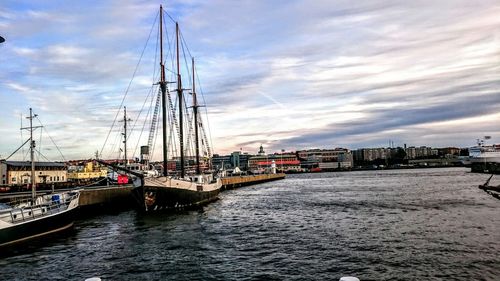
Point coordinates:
pixel 180 98
pixel 195 113
pixel 163 87
pixel 32 154
pixel 125 120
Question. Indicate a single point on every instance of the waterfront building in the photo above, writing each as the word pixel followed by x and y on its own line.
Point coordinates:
pixel 85 171
pixel 371 154
pixel 421 152
pixel 449 151
pixel 285 162
pixel 229 162
pixel 327 159
pixel 19 172
pixel 380 153
pixel 221 162
pixel 261 151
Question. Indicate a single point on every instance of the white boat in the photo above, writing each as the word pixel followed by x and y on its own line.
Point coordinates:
pixel 47 214
pixel 39 215
pixel 482 154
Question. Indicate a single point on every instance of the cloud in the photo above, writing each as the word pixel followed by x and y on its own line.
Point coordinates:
pixel 287 74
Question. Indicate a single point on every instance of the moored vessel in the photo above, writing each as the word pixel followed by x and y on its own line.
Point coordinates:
pixel 39 215
pixel 179 190
pixel 30 219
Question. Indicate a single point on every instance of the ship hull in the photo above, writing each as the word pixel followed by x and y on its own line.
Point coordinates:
pixel 36 228
pixel 172 194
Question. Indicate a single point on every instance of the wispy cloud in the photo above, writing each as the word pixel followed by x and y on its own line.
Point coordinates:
pixel 288 74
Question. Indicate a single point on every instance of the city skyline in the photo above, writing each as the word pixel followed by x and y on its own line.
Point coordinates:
pixel 286 74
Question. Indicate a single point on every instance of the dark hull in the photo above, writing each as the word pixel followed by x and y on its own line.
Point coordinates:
pixel 152 199
pixel 36 228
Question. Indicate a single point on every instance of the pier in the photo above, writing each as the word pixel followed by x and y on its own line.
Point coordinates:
pixel 120 196
pixel 238 181
pixel 486 167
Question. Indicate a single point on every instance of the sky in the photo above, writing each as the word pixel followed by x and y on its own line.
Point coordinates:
pixel 285 74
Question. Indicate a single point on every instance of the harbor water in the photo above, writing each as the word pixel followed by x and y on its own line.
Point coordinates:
pixel 419 224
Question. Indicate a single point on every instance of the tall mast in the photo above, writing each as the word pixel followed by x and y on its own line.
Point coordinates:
pixel 179 97
pixel 125 120
pixel 163 87
pixel 32 158
pixel 32 153
pixel 195 113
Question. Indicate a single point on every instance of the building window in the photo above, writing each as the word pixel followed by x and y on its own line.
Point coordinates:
pixel 13 179
pixel 57 178
pixel 62 178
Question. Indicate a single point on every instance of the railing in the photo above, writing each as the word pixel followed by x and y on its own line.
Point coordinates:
pixel 21 213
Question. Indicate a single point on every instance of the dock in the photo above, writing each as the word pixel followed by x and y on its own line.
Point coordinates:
pixel 486 167
pixel 120 196
pixel 116 196
pixel 239 181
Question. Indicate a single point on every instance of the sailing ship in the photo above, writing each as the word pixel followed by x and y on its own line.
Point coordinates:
pixel 182 190
pixel 41 214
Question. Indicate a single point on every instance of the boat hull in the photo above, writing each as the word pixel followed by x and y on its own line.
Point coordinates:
pixel 36 228
pixel 174 194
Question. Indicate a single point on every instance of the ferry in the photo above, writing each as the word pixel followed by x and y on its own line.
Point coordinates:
pixel 482 154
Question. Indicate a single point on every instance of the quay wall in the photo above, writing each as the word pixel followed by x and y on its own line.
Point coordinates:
pixel 115 196
pixel 486 167
pixel 238 181
pixel 119 197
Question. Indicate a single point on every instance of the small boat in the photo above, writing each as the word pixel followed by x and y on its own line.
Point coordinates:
pixel 491 189
pixel 47 214
pixel 39 215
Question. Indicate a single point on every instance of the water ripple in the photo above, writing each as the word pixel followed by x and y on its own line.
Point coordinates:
pixel 428 224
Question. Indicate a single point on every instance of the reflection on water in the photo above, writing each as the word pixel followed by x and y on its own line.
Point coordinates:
pixel 376 225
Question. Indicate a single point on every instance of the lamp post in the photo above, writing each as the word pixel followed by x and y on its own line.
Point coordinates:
pixel 282 151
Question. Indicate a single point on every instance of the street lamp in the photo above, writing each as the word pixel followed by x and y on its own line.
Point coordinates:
pixel 282 151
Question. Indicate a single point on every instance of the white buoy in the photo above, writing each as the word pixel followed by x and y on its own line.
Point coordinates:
pixel 93 279
pixel 348 278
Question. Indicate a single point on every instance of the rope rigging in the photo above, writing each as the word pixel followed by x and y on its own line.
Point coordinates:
pixel 152 103
pixel 129 84
pixel 57 147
